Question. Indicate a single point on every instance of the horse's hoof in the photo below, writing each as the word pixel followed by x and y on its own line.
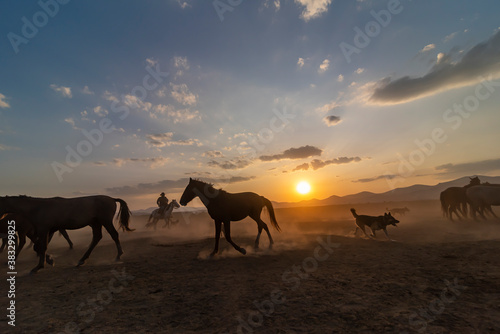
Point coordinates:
pixel 243 251
pixel 33 272
pixel 50 261
pixel 80 263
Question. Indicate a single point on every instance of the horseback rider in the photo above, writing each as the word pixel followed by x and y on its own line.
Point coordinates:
pixel 162 202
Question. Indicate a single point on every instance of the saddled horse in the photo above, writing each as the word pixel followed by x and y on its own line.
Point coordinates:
pixel 52 214
pixel 225 207
pixel 483 197
pixel 167 214
pixel 454 200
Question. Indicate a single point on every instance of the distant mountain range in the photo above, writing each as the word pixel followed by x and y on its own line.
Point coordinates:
pixel 416 192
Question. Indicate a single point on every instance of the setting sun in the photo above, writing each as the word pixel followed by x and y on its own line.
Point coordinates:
pixel 303 187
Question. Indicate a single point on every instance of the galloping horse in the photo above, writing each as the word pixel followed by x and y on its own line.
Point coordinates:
pixel 454 198
pixel 167 214
pixel 51 214
pixel 225 207
pixel 483 197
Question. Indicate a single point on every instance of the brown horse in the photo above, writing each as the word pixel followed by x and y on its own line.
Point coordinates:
pixel 482 197
pixel 225 207
pixel 51 214
pixel 454 200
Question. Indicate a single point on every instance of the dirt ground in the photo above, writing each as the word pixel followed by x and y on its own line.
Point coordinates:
pixel 437 277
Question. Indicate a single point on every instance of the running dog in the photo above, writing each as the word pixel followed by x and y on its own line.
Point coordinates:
pixel 400 211
pixel 374 223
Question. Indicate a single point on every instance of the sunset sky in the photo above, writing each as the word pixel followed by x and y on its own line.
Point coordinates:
pixel 131 98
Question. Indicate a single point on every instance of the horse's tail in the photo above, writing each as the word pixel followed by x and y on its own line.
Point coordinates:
pixel 270 209
pixel 124 214
pixel 444 205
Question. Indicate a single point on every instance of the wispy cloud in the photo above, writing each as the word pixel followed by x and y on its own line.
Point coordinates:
pixel 64 91
pixel 300 62
pixel 159 140
pixel 154 162
pixel 86 90
pixel 481 60
pixel 182 94
pixel 317 164
pixel 3 103
pixel 169 185
pixel 428 48
pixel 230 164
pixel 471 168
pixel 294 153
pixel 376 178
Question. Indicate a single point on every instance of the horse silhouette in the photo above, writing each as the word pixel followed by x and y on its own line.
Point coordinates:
pixel 24 228
pixel 224 207
pixel 167 214
pixel 51 214
pixel 454 200
pixel 481 198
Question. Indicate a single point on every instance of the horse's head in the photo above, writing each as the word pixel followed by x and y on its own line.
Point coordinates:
pixel 175 204
pixel 189 193
pixel 474 181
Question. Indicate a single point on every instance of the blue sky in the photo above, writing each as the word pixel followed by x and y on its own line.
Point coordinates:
pixel 259 95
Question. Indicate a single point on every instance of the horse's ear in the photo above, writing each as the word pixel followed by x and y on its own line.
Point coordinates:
pixel 190 179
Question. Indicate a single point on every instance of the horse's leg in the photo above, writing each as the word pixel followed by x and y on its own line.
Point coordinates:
pixel 217 237
pixel 22 241
pixel 490 210
pixel 66 236
pixel 4 242
pixel 114 235
pixel 259 226
pixel 227 235
pixel 262 225
pixel 96 237
pixel 40 248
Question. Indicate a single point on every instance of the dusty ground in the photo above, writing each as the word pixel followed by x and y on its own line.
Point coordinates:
pixel 438 277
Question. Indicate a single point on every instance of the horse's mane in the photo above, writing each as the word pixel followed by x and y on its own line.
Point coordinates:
pixel 210 185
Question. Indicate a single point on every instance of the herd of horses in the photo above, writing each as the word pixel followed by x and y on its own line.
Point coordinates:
pixel 479 196
pixel 39 218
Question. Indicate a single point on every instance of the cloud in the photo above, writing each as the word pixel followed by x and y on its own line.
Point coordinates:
pixel 428 48
pixel 7 148
pixel 304 166
pixel 184 4
pixel 300 62
pixel 359 70
pixel 181 64
pixel 100 111
pixel 86 90
pixel 332 120
pixel 230 164
pixel 328 107
pixel 64 91
pixel 184 115
pixel 313 8
pixel 134 102
pixel 375 178
pixel 153 162
pixel 71 122
pixel 294 153
pixel 450 37
pixel 213 154
pixel 182 94
pixel 3 103
pixel 317 164
pixel 471 168
pixel 169 185
pixel 340 78
pixel 165 139
pixel 324 66
pixel 482 60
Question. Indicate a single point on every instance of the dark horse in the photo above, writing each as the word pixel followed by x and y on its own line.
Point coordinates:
pixel 24 228
pixel 454 199
pixel 51 214
pixel 225 207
